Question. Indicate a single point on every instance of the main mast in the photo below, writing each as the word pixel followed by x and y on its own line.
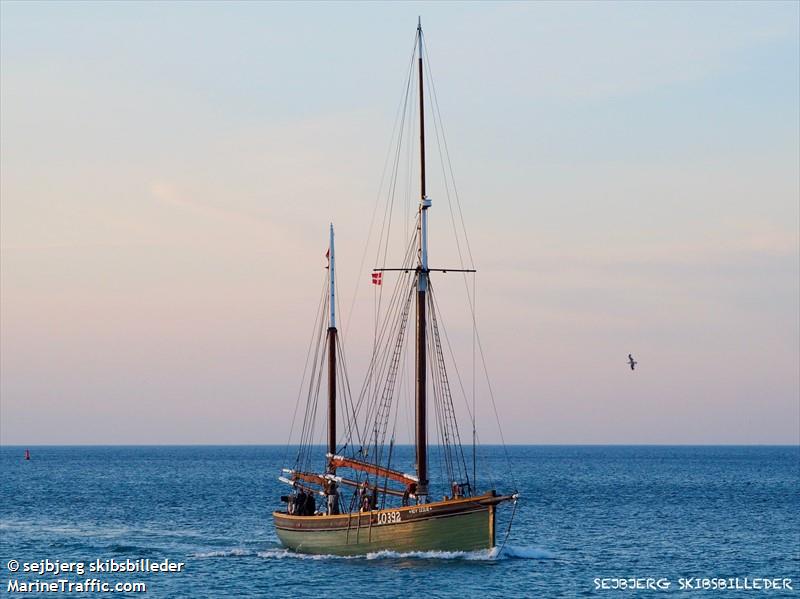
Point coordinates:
pixel 332 350
pixel 422 289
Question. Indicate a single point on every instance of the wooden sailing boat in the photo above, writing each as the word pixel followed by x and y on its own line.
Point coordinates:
pixel 373 521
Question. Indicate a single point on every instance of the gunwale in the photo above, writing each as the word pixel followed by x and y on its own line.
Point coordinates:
pixel 426 511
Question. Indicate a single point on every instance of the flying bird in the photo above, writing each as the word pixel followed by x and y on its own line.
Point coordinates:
pixel 632 362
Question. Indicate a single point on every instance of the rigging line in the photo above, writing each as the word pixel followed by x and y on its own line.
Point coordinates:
pixel 406 400
pixel 375 357
pixel 320 311
pixel 381 371
pixel 386 477
pixel 438 123
pixel 391 192
pixel 393 438
pixel 345 433
pixel 447 152
pixel 455 365
pixel 389 205
pixel 375 318
pixel 439 395
pixel 408 216
pixel 411 166
pixel 448 397
pixel 442 141
pixel 474 413
pixel 390 210
pixel 393 179
pixel 382 404
pixel 438 401
pixel 384 408
pixel 432 87
pixel 304 439
pixel 313 393
pixel 380 188
pixel 401 390
pixel 344 382
pixel 438 136
pixel 494 408
pixel 376 403
pixel 345 379
pixel 353 422
pixel 315 404
pixel 472 299
pixel 306 423
pixel 392 333
pixel 400 284
pixel 508 530
pixel 376 365
pixel 445 464
pixel 439 435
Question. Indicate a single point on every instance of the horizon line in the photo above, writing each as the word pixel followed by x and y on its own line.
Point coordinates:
pixel 8 445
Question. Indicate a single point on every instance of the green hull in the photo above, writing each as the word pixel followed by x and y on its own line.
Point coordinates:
pixel 466 525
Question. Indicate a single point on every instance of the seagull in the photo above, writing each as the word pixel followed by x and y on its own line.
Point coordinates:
pixel 632 362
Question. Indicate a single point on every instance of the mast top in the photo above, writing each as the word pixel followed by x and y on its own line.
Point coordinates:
pixel 332 271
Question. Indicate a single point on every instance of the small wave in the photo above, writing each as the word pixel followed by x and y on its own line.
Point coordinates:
pixel 84 529
pixel 131 549
pixel 224 553
pixel 512 552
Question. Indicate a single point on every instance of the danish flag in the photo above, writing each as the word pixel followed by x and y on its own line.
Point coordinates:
pixel 377 278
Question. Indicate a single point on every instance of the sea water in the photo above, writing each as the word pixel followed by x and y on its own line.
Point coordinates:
pixel 591 521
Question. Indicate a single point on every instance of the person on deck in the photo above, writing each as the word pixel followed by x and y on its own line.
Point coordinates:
pixel 300 503
pixel 363 497
pixel 333 499
pixel 456 490
pixel 411 491
pixel 311 504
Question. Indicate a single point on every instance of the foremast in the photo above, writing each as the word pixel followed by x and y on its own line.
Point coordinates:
pixel 422 290
pixel 332 349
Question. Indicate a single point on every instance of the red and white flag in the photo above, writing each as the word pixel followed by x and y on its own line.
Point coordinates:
pixel 377 278
pixel 328 257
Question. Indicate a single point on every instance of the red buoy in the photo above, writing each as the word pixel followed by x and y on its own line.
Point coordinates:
pixel 27 454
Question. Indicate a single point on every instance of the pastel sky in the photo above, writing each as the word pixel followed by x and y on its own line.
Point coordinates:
pixel 629 173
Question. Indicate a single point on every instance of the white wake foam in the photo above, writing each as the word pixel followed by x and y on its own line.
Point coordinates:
pixel 285 553
pixel 431 555
pixel 508 552
pixel 224 553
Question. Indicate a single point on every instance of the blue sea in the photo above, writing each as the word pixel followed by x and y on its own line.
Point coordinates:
pixel 590 520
